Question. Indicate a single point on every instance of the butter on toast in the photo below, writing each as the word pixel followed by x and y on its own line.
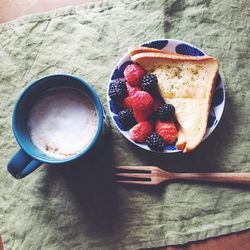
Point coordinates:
pixel 187 82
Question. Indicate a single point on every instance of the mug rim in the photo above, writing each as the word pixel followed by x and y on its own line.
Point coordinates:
pixel 94 97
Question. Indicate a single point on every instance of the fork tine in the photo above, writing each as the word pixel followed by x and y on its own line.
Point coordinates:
pixel 132 175
pixel 135 182
pixel 148 168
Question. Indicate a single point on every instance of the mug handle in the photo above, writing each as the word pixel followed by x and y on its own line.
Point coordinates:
pixel 22 164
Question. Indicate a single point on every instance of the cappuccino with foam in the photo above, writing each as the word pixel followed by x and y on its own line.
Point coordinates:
pixel 63 122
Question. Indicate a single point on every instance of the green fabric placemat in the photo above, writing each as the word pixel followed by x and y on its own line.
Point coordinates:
pixel 79 207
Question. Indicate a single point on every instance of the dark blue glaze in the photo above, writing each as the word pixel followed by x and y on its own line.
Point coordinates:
pixel 218 97
pixel 121 127
pixel 156 44
pixel 218 81
pixel 115 74
pixel 170 147
pixel 21 164
pixel 115 107
pixel 211 121
pixel 185 49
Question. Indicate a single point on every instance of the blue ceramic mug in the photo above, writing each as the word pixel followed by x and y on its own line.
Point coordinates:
pixel 29 157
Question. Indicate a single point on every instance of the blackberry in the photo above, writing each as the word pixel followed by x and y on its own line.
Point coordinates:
pixel 166 112
pixel 156 142
pixel 149 83
pixel 117 90
pixel 126 118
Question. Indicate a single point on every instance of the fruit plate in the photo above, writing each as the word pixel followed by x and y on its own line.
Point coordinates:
pixel 173 46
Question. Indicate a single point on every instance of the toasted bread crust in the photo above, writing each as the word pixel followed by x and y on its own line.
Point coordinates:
pixel 166 56
pixel 138 49
pixel 147 57
pixel 181 141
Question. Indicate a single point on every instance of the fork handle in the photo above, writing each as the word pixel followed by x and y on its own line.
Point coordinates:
pixel 241 178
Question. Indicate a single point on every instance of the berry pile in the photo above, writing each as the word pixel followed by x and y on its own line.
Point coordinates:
pixel 146 116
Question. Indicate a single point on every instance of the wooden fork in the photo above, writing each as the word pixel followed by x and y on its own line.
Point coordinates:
pixel 151 175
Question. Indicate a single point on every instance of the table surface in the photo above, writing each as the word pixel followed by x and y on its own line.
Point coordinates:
pixel 11 9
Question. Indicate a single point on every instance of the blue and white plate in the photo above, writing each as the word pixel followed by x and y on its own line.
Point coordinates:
pixel 179 47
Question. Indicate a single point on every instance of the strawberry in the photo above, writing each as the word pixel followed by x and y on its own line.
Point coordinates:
pixel 167 130
pixel 140 131
pixel 133 74
pixel 142 104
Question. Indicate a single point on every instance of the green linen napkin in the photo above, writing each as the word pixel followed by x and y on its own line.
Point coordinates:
pixel 79 207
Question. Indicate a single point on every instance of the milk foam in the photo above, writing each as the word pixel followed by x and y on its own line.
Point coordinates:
pixel 62 122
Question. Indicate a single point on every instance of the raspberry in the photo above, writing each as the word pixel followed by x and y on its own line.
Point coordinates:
pixel 167 130
pixel 133 74
pixel 142 115
pixel 150 84
pixel 128 101
pixel 141 131
pixel 117 90
pixel 166 112
pixel 126 118
pixel 142 105
pixel 142 100
pixel 132 90
pixel 156 142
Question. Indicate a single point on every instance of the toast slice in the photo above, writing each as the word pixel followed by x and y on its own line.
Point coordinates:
pixel 187 82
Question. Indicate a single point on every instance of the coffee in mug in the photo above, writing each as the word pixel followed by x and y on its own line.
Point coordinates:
pixel 62 122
